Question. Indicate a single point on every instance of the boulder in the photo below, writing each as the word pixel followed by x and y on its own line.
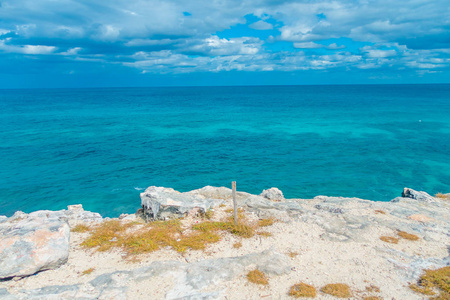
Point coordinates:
pixel 161 203
pixel 420 196
pixel 32 243
pixel 273 194
pixel 72 214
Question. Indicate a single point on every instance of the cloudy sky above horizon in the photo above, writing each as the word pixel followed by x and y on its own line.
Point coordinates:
pixel 77 43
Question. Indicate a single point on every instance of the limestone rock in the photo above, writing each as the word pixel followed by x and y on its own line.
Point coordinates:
pixel 420 218
pixel 161 203
pixel 273 194
pixel 32 243
pixel 190 280
pixel 73 213
pixel 420 196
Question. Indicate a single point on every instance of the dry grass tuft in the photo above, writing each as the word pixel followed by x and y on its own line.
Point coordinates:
pixel 408 236
pixel 266 222
pixel 264 233
pixel 149 237
pixel 237 245
pixel 372 288
pixel 81 228
pixel 442 196
pixel 209 214
pixel 88 271
pixel 379 211
pixel 258 277
pixel 389 239
pixel 292 254
pixel 242 229
pixel 153 236
pixel 302 290
pixel 434 280
pixel 372 298
pixel 340 290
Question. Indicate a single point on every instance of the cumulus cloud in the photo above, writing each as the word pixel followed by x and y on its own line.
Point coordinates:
pixel 261 25
pixel 173 36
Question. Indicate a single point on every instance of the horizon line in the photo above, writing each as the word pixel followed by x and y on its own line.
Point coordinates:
pixel 216 86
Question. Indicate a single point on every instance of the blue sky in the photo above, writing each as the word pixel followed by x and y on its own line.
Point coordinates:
pixel 97 43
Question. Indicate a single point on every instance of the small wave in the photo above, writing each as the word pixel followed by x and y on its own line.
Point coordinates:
pixel 139 188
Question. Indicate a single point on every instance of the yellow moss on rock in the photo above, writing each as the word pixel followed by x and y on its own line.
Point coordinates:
pixel 302 290
pixel 407 236
pixel 340 290
pixel 434 280
pixel 258 277
pixel 389 239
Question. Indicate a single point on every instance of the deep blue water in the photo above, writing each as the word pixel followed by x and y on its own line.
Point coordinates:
pixel 100 147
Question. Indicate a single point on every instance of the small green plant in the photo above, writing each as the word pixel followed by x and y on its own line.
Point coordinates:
pixel 258 277
pixel 340 290
pixel 302 290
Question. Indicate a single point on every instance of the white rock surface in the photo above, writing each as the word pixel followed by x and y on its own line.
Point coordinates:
pixel 273 194
pixel 31 243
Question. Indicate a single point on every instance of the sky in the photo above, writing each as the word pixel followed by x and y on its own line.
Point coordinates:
pixel 120 43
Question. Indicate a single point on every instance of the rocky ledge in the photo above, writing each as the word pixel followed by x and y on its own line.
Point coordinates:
pixel 376 248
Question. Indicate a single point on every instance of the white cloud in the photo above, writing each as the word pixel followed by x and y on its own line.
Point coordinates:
pixel 381 53
pixel 27 49
pixel 261 25
pixel 308 45
pixel 157 36
pixel 335 46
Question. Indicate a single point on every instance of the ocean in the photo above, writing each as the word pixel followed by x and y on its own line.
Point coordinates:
pixel 102 147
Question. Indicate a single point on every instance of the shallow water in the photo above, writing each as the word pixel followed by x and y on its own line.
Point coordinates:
pixel 101 147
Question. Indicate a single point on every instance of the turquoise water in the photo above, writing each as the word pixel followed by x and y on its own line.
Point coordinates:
pixel 101 147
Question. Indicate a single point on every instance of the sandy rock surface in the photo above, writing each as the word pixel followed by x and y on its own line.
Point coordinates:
pixel 317 241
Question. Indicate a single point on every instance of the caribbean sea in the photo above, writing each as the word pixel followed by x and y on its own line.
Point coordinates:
pixel 102 147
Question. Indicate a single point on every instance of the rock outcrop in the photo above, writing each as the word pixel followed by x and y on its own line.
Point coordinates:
pixel 273 194
pixel 199 280
pixel 328 239
pixel 38 241
pixel 32 243
pixel 421 196
pixel 161 203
